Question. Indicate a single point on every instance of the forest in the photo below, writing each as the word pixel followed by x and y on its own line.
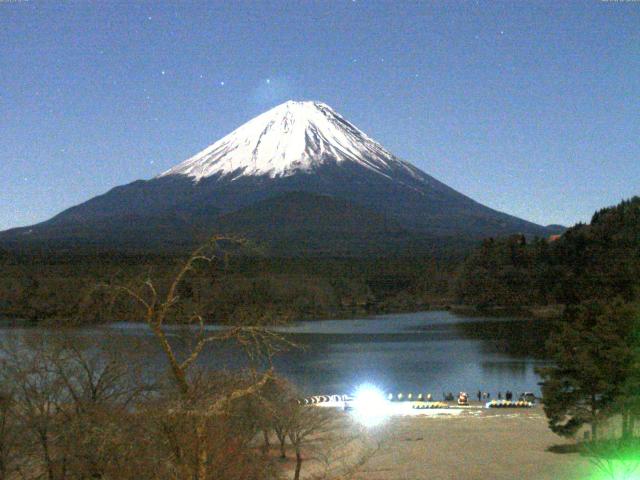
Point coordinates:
pixel 599 260
pixel 589 261
pixel 51 288
pixel 62 401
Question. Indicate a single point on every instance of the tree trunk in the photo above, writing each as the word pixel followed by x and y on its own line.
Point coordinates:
pixel 626 424
pixel 594 419
pixel 267 444
pixel 283 450
pixel 296 475
pixel 202 450
pixel 47 456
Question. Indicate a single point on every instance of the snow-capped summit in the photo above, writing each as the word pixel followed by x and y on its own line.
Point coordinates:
pixel 290 138
pixel 299 176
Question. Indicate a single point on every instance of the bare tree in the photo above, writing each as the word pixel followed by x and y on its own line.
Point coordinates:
pixel 83 409
pixel 9 436
pixel 38 394
pixel 161 309
pixel 277 401
pixel 309 427
pixel 70 400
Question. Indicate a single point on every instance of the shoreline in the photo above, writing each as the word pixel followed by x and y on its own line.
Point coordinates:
pixel 549 312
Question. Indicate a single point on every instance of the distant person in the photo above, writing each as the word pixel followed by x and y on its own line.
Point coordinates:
pixel 508 395
pixel 499 395
pixel 479 395
pixel 488 395
pixel 429 397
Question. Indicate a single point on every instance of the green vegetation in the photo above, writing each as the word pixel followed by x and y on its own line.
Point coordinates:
pixel 47 287
pixel 594 270
pixel 75 408
pixel 596 261
pixel 596 371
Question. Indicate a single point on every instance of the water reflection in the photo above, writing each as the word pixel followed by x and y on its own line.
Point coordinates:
pixel 425 352
pixel 521 338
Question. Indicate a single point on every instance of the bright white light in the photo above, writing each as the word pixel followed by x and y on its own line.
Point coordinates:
pixel 370 406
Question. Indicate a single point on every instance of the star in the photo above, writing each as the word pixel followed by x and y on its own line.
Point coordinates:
pixel 222 84
pixel 163 72
pixel 149 18
pixel 268 80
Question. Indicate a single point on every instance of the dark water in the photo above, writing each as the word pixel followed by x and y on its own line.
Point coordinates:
pixel 432 352
pixel 420 352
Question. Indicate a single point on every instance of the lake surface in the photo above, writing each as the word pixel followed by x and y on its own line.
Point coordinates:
pixel 433 351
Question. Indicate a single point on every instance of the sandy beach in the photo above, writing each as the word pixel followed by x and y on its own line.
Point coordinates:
pixel 491 444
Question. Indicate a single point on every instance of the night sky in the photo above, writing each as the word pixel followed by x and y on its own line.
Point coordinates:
pixel 529 108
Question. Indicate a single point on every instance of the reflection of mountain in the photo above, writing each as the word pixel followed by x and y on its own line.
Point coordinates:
pixel 428 352
pixel 508 369
pixel 517 338
pixel 383 337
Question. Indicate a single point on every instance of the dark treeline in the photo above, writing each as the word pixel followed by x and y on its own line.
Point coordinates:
pixel 42 286
pixel 595 376
pixel 593 272
pixel 599 260
pixel 596 261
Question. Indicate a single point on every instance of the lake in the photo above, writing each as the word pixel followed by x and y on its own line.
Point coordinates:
pixel 434 351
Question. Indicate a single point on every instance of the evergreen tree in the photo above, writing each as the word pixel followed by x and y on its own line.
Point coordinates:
pixel 596 261
pixel 628 399
pixel 593 352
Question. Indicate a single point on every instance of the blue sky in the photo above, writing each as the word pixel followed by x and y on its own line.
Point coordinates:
pixel 532 108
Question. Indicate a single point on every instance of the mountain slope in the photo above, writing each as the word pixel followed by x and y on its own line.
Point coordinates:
pixel 295 147
pixel 300 222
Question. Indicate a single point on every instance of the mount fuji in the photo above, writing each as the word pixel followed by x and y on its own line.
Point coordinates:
pixel 299 177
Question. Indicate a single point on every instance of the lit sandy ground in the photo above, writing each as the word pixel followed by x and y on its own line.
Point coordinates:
pixel 479 444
